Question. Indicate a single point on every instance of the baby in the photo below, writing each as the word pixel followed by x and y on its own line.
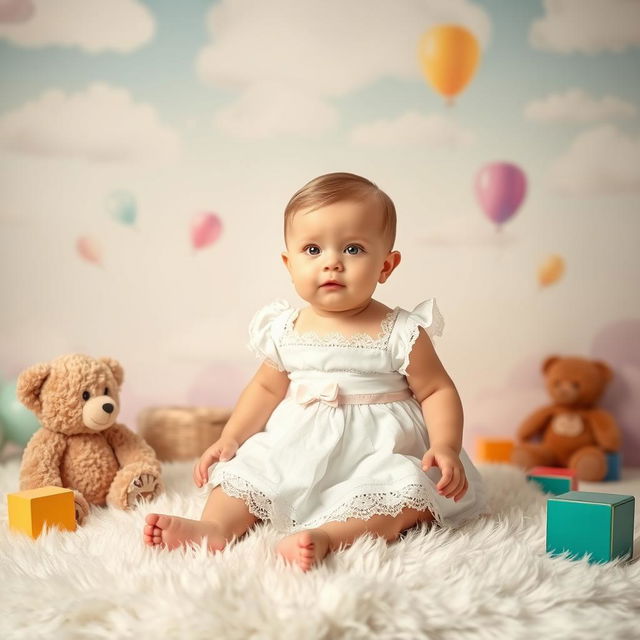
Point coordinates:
pixel 351 425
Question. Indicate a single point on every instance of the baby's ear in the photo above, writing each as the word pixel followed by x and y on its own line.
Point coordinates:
pixel 29 385
pixel 116 369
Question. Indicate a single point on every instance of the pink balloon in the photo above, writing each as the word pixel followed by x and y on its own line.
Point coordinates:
pixel 205 230
pixel 500 189
pixel 89 249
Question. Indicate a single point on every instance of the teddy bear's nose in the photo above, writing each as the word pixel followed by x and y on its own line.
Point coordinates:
pixel 108 407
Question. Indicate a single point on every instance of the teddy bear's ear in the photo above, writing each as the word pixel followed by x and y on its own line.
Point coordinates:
pixel 116 369
pixel 548 362
pixel 604 370
pixel 29 385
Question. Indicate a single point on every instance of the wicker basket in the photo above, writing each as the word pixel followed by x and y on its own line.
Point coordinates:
pixel 181 433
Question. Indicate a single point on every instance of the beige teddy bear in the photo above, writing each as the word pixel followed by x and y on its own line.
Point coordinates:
pixel 80 446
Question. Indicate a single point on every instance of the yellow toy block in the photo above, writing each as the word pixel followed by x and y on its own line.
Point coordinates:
pixel 494 450
pixel 30 510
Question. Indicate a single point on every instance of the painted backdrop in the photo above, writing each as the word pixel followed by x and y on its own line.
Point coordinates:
pixel 147 150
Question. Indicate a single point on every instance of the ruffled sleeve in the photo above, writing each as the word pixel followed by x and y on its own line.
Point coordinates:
pixel 425 315
pixel 262 333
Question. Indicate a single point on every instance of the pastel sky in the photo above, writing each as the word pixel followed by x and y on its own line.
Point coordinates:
pixel 231 106
pixel 161 59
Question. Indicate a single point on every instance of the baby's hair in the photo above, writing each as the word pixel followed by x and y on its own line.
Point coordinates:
pixel 337 187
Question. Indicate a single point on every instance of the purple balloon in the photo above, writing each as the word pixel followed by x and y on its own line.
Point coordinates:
pixel 500 189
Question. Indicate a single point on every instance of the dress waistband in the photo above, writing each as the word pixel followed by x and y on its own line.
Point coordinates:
pixel 329 393
pixel 351 382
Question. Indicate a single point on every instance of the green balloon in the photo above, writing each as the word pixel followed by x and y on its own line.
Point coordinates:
pixel 19 423
pixel 122 207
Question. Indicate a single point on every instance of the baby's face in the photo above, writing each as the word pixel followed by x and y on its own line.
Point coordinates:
pixel 341 242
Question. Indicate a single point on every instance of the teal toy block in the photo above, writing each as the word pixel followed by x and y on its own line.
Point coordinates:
pixel 614 464
pixel 596 524
pixel 555 480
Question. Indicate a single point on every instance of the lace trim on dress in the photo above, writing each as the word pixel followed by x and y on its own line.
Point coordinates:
pixel 257 502
pixel 386 503
pixel 337 339
pixel 362 506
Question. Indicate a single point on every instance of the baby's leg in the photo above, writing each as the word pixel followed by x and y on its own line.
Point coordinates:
pixel 223 519
pixel 308 547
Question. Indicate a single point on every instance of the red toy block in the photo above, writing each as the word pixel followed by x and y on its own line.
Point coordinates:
pixel 554 480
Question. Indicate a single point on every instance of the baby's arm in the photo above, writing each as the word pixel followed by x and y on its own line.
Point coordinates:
pixel 442 410
pixel 260 397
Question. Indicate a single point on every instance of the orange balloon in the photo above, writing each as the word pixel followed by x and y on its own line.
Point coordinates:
pixel 449 56
pixel 550 270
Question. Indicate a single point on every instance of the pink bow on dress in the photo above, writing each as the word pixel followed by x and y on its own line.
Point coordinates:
pixel 328 393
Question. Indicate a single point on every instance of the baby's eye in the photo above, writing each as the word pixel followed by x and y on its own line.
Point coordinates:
pixel 357 248
pixel 312 250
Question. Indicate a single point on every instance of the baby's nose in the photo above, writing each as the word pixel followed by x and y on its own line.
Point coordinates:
pixel 333 261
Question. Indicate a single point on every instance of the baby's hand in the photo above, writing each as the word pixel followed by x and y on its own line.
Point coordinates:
pixel 222 449
pixel 453 483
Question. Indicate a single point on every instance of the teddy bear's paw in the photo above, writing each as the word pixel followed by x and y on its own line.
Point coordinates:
pixel 81 507
pixel 143 487
pixel 589 463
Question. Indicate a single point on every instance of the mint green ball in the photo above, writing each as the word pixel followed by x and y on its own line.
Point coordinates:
pixel 19 423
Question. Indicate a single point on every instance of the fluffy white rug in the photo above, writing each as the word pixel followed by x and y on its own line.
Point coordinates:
pixel 490 579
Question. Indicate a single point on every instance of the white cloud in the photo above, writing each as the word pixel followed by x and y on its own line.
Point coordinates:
pixel 267 109
pixel 600 161
pixel 92 25
pixel 412 129
pixel 321 49
pixel 101 124
pixel 587 26
pixel 575 105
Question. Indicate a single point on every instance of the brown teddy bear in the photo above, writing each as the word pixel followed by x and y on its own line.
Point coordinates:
pixel 79 445
pixel 575 434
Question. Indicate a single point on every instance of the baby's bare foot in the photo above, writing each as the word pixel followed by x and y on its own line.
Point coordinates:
pixel 305 548
pixel 172 532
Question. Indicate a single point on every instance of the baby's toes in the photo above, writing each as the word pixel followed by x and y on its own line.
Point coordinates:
pixel 152 534
pixel 306 559
pixel 306 551
pixel 158 520
pixel 156 538
pixel 305 541
pixel 152 518
pixel 147 537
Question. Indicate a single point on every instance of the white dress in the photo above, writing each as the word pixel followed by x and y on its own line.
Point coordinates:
pixel 319 460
